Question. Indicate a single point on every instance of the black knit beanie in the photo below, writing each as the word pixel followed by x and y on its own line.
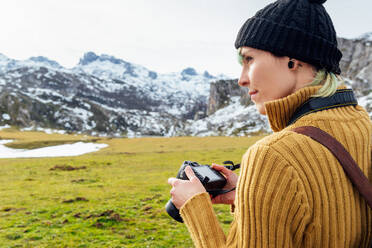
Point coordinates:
pixel 299 29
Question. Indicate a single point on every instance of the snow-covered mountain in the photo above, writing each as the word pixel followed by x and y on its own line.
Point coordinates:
pixel 102 94
pixel 109 96
pixel 179 92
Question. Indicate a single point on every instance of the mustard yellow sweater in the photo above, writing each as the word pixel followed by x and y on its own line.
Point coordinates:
pixel 292 192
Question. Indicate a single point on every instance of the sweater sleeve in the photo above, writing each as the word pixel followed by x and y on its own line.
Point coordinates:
pixel 272 206
pixel 272 209
pixel 202 223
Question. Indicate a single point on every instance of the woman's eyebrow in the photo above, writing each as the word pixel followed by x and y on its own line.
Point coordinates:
pixel 245 54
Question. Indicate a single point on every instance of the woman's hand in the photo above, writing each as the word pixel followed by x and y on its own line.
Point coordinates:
pixel 182 190
pixel 232 179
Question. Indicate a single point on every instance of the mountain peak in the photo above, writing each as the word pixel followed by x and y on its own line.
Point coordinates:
pixel 46 61
pixel 3 57
pixel 207 75
pixel 366 36
pixel 189 71
pixel 90 57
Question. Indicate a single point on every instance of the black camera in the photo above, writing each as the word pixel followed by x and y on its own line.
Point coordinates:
pixel 212 180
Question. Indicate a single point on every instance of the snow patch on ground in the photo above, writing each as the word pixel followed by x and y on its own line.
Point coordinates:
pixel 4 127
pixel 65 150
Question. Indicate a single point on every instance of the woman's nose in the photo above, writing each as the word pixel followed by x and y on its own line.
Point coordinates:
pixel 244 80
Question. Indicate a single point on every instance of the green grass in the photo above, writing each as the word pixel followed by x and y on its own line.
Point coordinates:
pixel 115 197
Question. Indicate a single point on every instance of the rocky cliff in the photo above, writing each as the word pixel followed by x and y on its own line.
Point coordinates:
pixel 220 94
pixel 356 62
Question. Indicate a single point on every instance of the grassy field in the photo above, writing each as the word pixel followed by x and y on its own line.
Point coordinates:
pixel 111 198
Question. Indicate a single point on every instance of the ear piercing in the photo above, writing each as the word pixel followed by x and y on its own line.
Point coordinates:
pixel 290 64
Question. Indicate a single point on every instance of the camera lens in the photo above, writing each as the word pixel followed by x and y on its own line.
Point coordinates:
pixel 173 211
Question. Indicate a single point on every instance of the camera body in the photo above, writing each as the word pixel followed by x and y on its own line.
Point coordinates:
pixel 212 180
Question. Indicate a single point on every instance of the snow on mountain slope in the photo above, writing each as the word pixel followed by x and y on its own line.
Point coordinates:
pixel 366 102
pixel 108 67
pixel 234 119
pixel 101 94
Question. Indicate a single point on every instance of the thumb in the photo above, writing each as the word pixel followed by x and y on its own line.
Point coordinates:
pixel 190 173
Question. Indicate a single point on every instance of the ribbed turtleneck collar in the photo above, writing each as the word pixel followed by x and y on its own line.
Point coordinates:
pixel 281 110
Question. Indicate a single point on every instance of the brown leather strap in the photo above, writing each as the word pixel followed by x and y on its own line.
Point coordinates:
pixel 351 168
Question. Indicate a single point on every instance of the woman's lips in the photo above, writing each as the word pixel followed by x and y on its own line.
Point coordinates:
pixel 253 94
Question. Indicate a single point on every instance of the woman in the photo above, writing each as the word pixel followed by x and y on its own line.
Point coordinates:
pixel 291 191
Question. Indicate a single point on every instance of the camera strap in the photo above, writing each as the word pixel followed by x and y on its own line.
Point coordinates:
pixel 350 167
pixel 232 166
pixel 342 97
pixel 215 193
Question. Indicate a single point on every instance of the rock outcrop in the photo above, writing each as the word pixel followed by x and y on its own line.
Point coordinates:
pixel 221 92
pixel 356 63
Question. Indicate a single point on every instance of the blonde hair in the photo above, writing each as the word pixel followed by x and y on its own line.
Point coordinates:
pixel 329 82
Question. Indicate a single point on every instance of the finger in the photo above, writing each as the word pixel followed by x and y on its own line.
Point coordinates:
pixel 216 200
pixel 217 166
pixel 172 191
pixel 190 173
pixel 172 181
pixel 222 169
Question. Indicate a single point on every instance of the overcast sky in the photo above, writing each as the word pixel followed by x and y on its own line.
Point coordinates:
pixel 162 35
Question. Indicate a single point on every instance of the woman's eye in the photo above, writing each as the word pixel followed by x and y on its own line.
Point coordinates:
pixel 244 59
pixel 248 58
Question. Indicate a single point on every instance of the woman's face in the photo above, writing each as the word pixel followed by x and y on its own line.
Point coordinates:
pixel 267 77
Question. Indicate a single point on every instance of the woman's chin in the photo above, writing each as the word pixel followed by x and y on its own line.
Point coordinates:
pixel 261 109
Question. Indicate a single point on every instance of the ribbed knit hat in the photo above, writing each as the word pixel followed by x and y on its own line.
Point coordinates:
pixel 299 29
